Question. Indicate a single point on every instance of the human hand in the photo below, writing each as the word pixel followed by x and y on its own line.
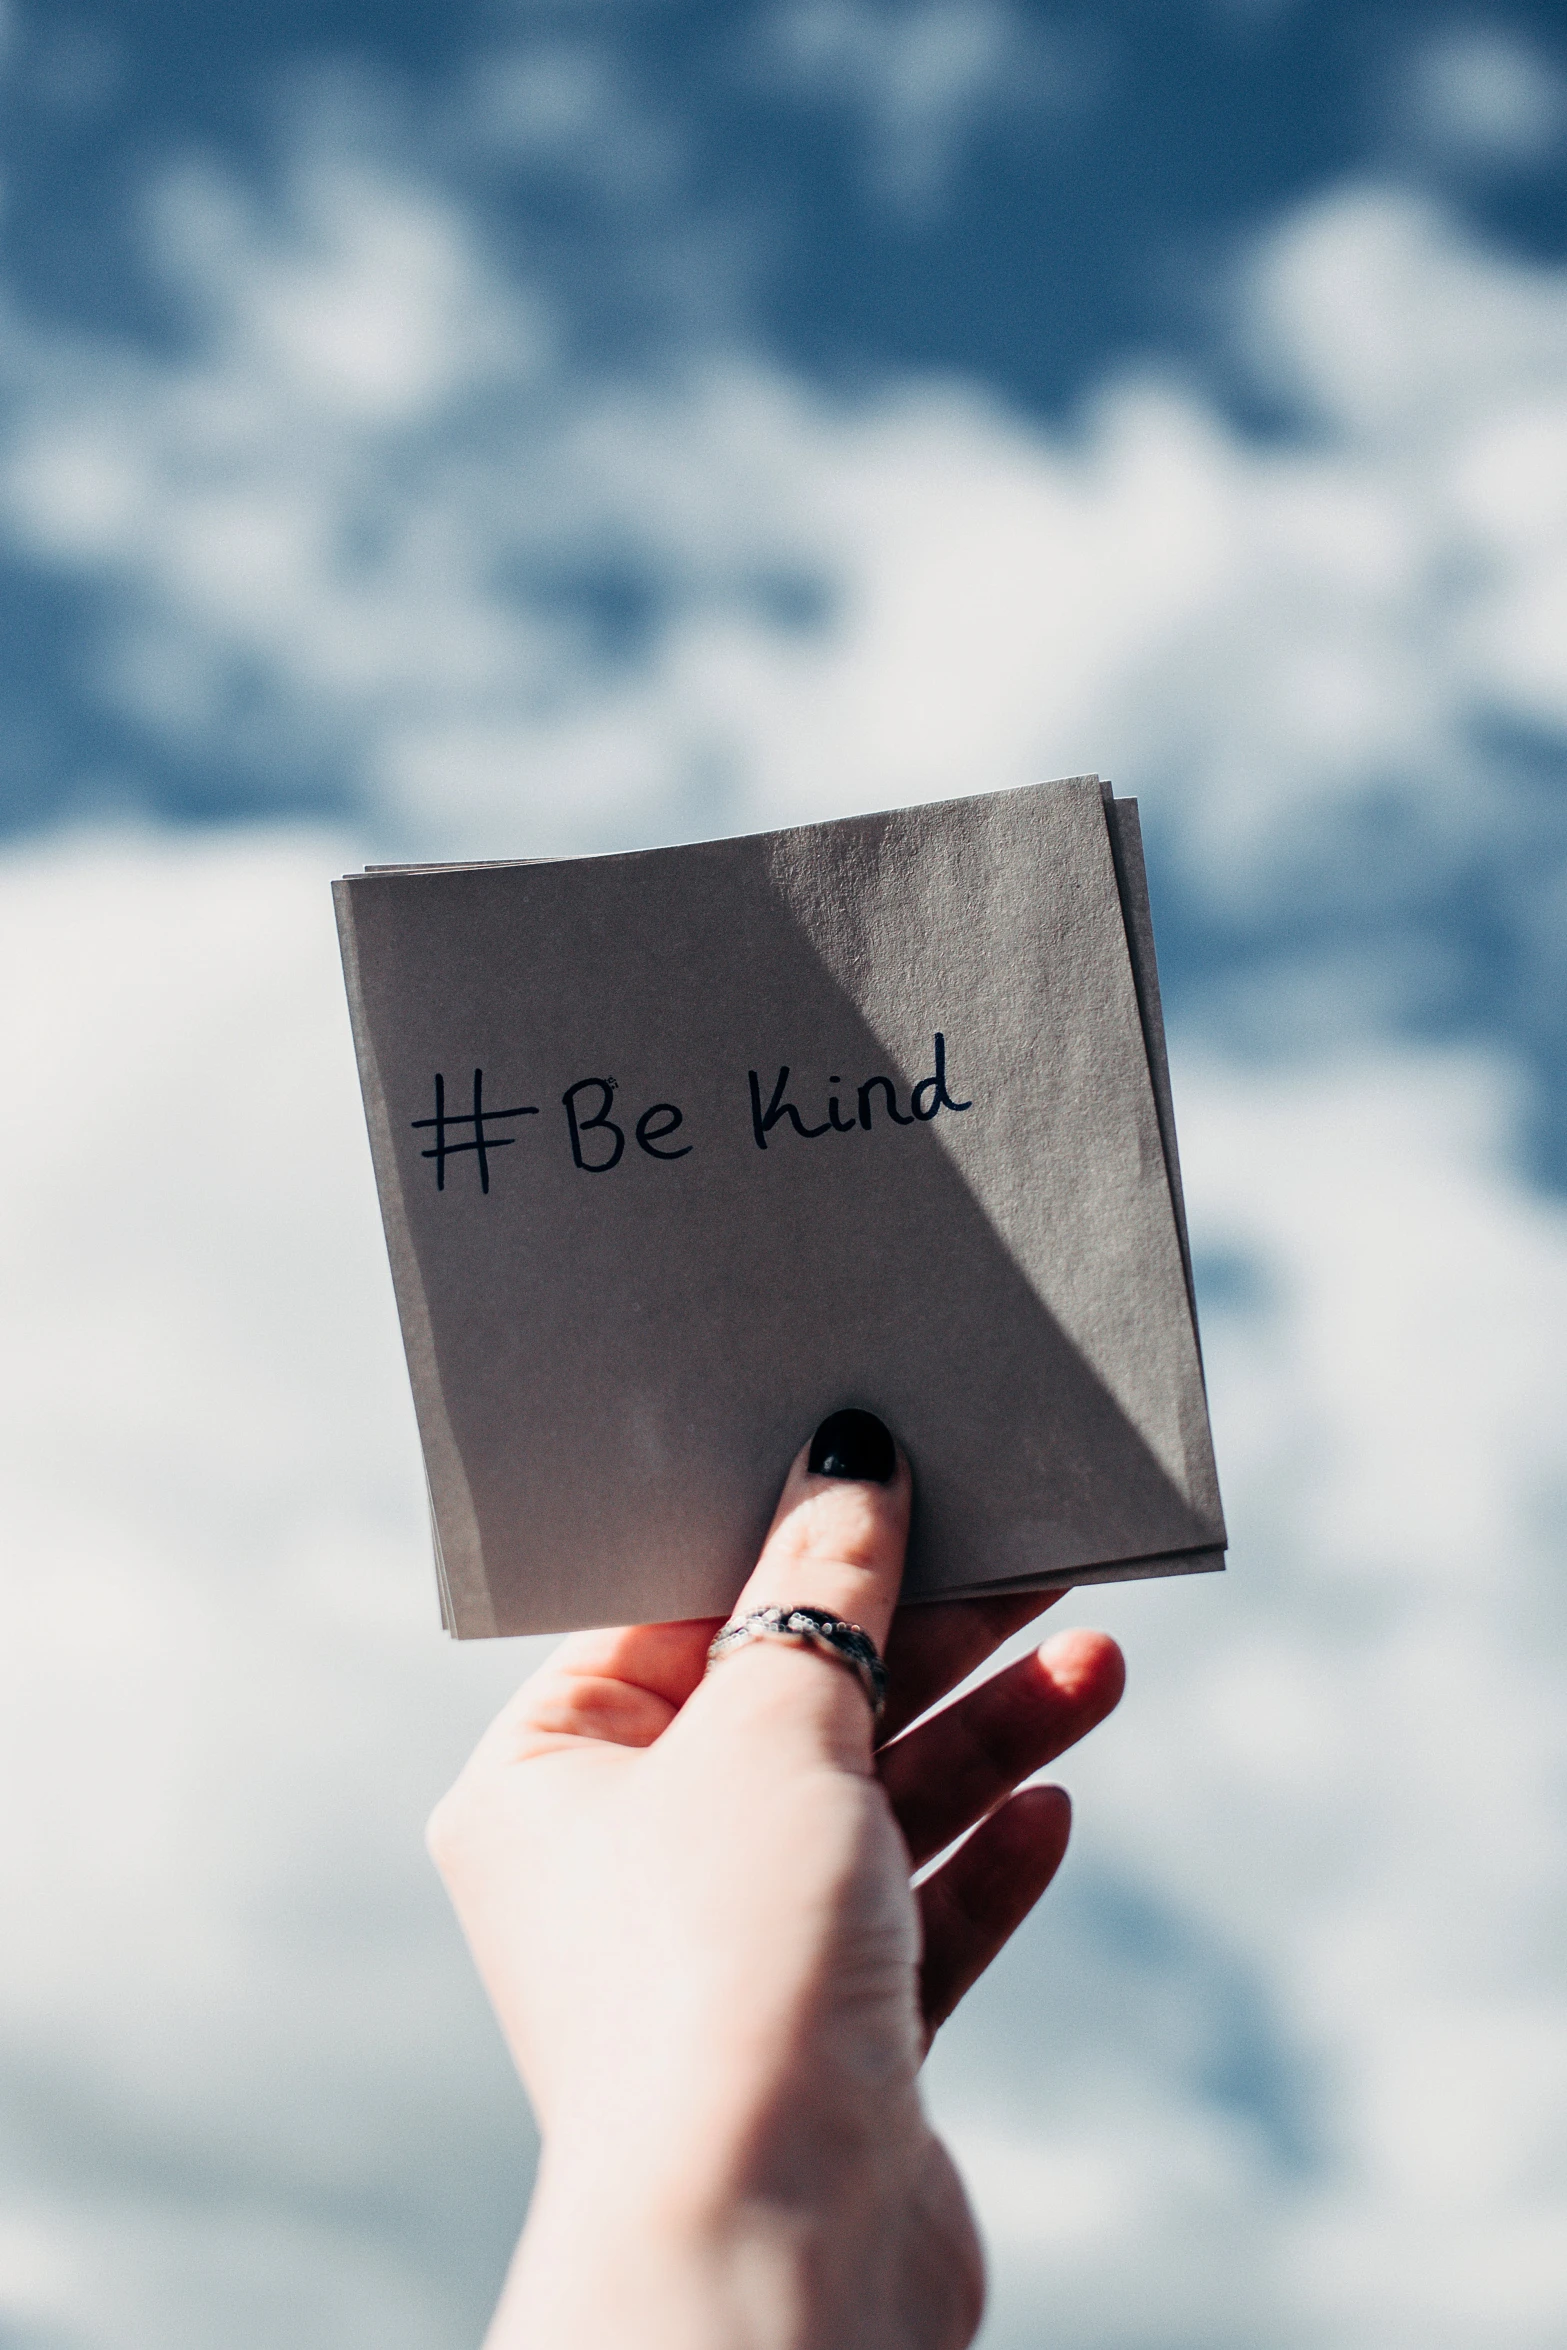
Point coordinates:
pixel 690 1902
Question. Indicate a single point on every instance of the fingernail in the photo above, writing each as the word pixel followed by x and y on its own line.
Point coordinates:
pixel 853 1444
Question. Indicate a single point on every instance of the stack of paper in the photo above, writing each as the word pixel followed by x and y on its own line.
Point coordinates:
pixel 680 1151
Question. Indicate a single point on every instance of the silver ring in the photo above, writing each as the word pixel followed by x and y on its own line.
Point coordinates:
pixel 810 1627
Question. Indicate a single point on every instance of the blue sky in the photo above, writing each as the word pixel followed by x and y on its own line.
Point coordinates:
pixel 521 430
pixel 1028 205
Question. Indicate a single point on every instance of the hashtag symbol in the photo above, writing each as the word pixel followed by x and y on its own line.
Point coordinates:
pixel 478 1118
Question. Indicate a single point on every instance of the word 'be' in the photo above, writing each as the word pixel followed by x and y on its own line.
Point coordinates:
pixel 653 1127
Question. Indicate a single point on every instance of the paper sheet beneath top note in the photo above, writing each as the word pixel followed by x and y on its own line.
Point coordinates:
pixel 613 1369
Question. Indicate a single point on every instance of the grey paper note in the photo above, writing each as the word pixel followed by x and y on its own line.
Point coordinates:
pixel 678 1151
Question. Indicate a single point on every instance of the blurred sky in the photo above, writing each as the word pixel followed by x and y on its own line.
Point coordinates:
pixel 530 430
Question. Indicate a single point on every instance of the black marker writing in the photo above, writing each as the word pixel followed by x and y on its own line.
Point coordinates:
pixel 650 1136
pixel 936 1087
pixel 478 1118
pixel 926 1099
pixel 598 1140
pixel 891 1091
pixel 762 1123
pixel 601 1121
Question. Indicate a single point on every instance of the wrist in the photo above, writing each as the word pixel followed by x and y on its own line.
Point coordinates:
pixel 709 2266
pixel 599 2269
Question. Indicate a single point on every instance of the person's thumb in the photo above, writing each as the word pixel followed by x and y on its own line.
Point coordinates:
pixel 836 1543
pixel 840 1529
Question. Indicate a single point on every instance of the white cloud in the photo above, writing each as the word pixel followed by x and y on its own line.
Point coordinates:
pixel 1485 94
pixel 1334 1788
pixel 926 80
pixel 233 2013
pixel 371 525
pixel 568 109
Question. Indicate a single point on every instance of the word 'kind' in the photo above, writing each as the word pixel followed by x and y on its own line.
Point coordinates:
pixel 928 1097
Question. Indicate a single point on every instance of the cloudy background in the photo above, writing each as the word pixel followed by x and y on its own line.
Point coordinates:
pixel 520 429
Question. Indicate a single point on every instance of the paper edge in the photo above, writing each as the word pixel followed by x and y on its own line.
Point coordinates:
pixel 464 1597
pixel 1201 1561
pixel 1124 827
pixel 729 839
pixel 1131 875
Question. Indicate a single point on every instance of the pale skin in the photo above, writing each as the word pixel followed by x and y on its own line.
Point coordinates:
pixel 690 1901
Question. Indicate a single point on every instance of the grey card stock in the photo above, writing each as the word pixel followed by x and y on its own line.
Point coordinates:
pixel 678 1151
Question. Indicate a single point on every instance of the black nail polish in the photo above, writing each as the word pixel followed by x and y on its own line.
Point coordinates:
pixel 853 1444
